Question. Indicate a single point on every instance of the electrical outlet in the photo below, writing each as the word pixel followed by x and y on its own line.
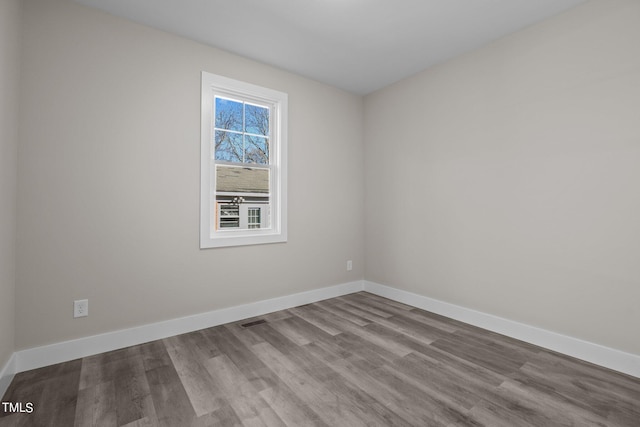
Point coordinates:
pixel 81 308
pixel 349 265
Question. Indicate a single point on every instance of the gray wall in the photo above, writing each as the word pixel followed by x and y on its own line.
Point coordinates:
pixel 506 180
pixel 108 194
pixel 9 78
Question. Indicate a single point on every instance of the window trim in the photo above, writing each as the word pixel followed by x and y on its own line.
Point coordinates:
pixel 213 85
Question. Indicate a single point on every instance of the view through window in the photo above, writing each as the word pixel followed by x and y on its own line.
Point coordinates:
pixel 242 133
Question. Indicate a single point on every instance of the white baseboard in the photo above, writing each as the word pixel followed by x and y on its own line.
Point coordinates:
pixel 69 350
pixel 6 374
pixel 604 356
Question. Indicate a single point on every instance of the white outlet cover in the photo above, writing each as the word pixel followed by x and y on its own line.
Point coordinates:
pixel 81 308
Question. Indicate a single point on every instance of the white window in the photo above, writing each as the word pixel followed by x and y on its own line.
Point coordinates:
pixel 243 186
pixel 253 215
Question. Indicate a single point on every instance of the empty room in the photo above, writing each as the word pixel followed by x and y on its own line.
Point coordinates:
pixel 319 213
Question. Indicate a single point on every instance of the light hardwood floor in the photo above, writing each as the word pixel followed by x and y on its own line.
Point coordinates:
pixel 357 360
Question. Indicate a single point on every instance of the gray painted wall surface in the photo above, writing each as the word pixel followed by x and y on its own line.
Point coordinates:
pixel 109 180
pixel 510 177
pixel 10 11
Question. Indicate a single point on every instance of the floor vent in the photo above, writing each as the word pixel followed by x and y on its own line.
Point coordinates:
pixel 257 322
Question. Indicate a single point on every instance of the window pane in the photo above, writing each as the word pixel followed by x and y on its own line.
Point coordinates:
pixel 242 194
pixel 229 146
pixel 256 120
pixel 256 150
pixel 241 180
pixel 228 114
pixel 254 217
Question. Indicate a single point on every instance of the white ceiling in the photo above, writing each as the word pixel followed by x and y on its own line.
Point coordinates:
pixel 357 45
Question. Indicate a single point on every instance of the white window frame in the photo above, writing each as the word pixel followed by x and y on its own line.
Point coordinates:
pixel 213 85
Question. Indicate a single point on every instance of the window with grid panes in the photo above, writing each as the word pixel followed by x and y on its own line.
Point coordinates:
pixel 243 163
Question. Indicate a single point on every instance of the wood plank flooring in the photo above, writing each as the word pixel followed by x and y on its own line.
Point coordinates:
pixel 357 360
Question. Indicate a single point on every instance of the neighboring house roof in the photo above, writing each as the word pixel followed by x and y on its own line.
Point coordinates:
pixel 242 180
